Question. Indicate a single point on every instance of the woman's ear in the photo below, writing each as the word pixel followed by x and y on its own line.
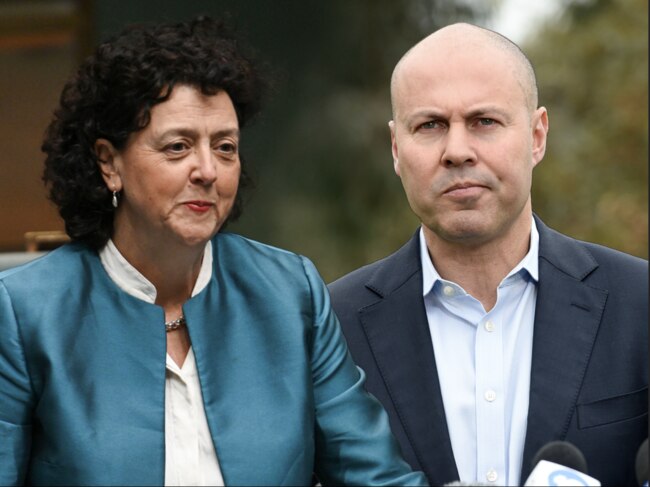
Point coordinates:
pixel 106 160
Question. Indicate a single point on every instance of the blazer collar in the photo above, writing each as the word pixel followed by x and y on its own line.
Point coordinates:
pixel 397 268
pixel 564 253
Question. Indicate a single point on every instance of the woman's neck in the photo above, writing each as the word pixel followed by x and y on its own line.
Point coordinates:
pixel 173 270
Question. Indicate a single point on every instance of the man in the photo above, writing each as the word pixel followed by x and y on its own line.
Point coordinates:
pixel 488 334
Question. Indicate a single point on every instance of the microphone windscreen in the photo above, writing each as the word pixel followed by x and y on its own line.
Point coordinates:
pixel 562 453
pixel 642 463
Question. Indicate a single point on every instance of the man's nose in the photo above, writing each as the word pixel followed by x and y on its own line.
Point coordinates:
pixel 458 148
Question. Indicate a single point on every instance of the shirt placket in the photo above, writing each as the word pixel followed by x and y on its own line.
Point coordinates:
pixel 185 427
pixel 490 405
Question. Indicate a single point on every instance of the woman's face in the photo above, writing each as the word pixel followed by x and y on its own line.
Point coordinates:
pixel 177 177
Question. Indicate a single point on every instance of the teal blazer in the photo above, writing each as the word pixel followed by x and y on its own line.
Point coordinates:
pixel 82 376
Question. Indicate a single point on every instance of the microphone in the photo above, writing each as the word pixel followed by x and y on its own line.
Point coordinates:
pixel 564 453
pixel 641 464
pixel 560 463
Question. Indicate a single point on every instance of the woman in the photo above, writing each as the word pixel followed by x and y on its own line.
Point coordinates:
pixel 155 349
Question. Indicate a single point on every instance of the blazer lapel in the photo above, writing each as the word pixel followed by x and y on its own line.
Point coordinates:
pixel 252 377
pixel 398 334
pixel 567 318
pixel 212 321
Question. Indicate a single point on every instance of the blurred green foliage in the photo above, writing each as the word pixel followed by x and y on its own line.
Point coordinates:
pixel 320 152
pixel 326 183
pixel 592 69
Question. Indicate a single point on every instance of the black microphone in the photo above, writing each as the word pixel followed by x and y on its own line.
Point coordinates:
pixel 641 464
pixel 563 453
pixel 559 463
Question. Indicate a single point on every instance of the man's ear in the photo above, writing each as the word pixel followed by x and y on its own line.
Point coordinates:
pixel 393 146
pixel 540 131
pixel 107 157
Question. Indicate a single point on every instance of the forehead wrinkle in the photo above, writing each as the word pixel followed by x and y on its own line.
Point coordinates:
pixel 455 38
pixel 193 132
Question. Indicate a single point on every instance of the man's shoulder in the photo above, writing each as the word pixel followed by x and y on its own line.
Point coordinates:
pixel 607 254
pixel 589 260
pixel 616 263
pixel 374 280
pixel 359 276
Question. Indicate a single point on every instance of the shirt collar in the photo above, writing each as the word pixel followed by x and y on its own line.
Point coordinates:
pixel 131 281
pixel 530 262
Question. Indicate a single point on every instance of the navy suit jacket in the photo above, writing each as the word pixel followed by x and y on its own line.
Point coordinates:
pixel 589 374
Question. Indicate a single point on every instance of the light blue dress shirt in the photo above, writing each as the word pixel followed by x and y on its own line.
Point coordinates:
pixel 483 361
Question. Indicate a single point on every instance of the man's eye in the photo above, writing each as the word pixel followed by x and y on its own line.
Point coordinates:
pixel 486 122
pixel 431 124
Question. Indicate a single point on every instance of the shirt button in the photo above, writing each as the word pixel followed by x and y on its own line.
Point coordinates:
pixel 489 326
pixel 490 395
pixel 492 475
pixel 448 290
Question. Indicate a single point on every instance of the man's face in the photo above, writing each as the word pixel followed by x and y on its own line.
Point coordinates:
pixel 465 143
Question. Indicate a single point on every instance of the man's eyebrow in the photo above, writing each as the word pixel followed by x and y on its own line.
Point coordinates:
pixel 486 111
pixel 424 113
pixel 433 113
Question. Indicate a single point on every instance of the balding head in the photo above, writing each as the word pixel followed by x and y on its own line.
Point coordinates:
pixel 465 138
pixel 462 40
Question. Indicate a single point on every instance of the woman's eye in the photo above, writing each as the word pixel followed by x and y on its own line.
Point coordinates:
pixel 227 148
pixel 177 147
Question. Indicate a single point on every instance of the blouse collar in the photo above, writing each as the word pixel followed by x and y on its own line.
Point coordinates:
pixel 131 281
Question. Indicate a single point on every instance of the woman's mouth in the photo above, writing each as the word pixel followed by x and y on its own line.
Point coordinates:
pixel 199 206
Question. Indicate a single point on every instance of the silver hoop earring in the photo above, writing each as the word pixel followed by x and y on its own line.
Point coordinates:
pixel 114 200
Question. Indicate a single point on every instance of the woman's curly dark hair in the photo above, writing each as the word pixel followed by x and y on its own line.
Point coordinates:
pixel 111 96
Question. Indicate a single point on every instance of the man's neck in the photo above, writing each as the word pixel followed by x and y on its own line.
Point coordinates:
pixel 480 268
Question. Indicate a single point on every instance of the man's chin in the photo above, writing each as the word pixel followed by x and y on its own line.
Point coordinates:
pixel 466 230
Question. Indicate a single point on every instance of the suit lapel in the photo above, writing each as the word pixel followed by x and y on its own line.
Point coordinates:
pixel 567 318
pixel 398 334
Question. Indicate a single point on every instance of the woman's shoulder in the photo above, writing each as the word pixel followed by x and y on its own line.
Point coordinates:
pixel 241 255
pixel 61 264
pixel 231 244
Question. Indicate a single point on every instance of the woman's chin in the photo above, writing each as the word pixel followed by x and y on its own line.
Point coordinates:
pixel 196 237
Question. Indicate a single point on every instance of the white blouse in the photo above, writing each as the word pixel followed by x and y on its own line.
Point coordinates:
pixel 190 457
